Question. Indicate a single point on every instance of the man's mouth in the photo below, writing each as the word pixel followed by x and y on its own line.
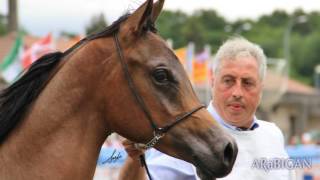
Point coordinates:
pixel 236 106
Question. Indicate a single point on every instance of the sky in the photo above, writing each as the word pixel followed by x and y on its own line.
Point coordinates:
pixel 40 17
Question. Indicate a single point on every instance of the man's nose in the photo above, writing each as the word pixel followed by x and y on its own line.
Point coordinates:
pixel 237 91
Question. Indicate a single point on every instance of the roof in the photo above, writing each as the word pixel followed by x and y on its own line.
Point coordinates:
pixel 298 87
pixel 274 82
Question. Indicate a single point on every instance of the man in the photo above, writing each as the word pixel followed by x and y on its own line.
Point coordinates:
pixel 238 73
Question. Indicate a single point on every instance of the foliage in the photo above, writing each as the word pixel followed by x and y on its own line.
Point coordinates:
pixel 68 34
pixel 97 23
pixel 170 26
pixel 3 28
pixel 306 55
pixel 208 27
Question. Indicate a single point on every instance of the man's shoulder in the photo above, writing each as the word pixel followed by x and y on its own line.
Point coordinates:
pixel 270 128
pixel 267 124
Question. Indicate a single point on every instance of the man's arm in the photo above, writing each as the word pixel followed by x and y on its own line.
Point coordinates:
pixel 160 165
pixel 132 168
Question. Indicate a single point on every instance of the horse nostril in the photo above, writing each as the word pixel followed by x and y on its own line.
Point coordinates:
pixel 229 155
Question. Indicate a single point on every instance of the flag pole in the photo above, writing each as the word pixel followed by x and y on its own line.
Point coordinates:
pixel 207 49
pixel 189 61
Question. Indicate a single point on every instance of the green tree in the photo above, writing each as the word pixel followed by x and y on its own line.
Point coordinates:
pixel 3 26
pixel 306 53
pixel 202 27
pixel 278 18
pixel 313 20
pixel 68 34
pixel 195 32
pixel 268 37
pixel 300 26
pixel 207 27
pixel 170 25
pixel 96 24
pixel 210 20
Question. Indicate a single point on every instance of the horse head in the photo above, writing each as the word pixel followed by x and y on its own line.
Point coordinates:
pixel 153 92
pixel 125 79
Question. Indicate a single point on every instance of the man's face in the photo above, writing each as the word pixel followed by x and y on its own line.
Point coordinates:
pixel 237 90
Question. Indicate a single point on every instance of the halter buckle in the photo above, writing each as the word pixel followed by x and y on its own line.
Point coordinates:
pixel 157 135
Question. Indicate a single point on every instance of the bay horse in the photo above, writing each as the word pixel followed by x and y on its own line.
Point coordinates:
pixel 54 119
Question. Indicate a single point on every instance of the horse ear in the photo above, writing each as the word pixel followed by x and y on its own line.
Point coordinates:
pixel 138 20
pixel 157 7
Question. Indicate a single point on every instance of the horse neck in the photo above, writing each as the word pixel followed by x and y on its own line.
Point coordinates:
pixel 62 133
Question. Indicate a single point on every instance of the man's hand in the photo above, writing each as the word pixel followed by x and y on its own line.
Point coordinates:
pixel 133 152
pixel 132 167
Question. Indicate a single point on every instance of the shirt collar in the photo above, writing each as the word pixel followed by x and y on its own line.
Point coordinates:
pixel 222 122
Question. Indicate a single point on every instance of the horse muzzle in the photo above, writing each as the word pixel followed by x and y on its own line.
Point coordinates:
pixel 217 163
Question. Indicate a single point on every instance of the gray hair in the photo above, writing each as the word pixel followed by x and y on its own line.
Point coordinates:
pixel 238 46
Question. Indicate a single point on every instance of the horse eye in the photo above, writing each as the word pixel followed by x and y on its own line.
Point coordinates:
pixel 161 75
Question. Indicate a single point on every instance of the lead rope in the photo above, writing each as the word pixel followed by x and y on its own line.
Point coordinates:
pixel 143 163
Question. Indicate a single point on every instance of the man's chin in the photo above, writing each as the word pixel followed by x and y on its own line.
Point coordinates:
pixel 235 117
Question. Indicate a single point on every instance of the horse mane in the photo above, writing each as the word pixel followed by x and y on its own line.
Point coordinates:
pixel 16 99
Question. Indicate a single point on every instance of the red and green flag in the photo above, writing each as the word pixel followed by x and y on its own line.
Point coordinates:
pixel 11 66
pixel 20 59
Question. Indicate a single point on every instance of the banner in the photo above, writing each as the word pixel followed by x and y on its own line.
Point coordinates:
pixel 37 49
pixel 200 73
pixel 185 56
pixel 11 66
pixel 181 53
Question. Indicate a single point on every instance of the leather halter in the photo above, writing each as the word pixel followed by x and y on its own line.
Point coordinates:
pixel 158 132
